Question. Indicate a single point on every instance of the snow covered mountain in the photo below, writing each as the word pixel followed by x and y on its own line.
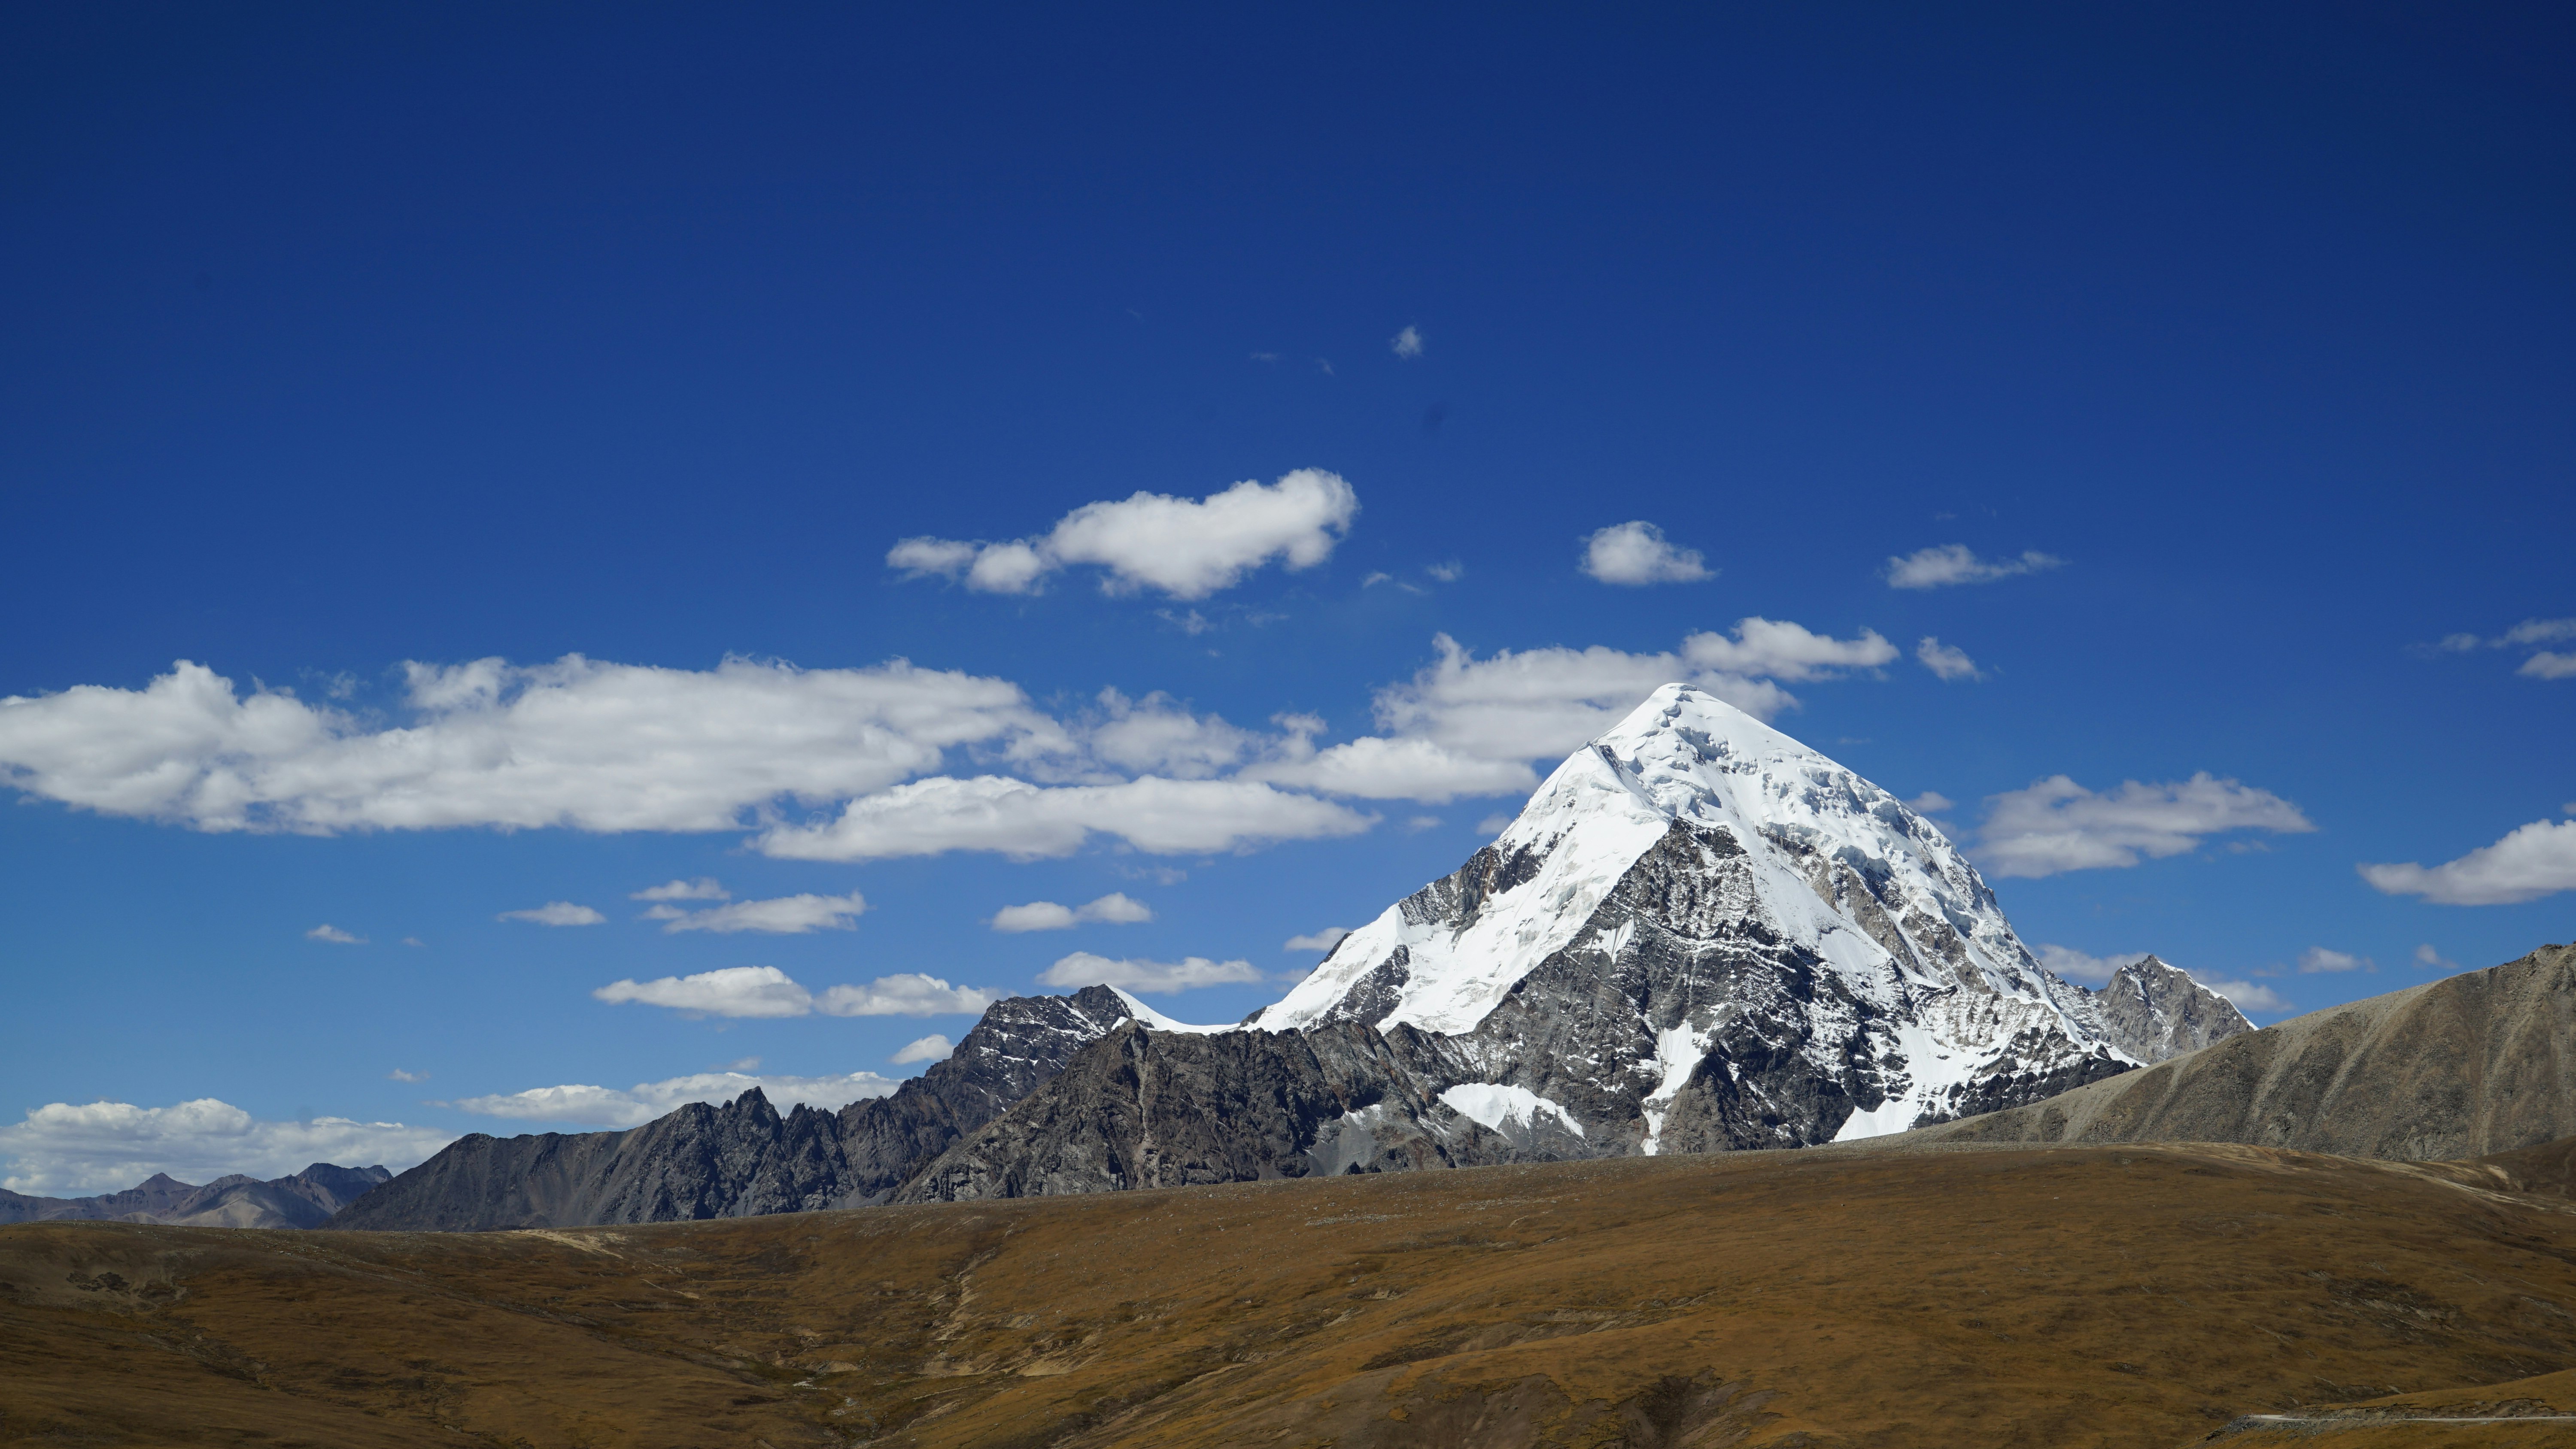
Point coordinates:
pixel 1702 935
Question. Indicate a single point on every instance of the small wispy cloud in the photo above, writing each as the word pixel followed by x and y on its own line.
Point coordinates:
pixel 2317 959
pixel 931 1048
pixel 2431 959
pixel 1323 940
pixel 1955 563
pixel 333 934
pixel 1407 343
pixel 1116 908
pixel 704 888
pixel 399 1075
pixel 555 913
pixel 1952 665
pixel 782 916
pixel 1160 977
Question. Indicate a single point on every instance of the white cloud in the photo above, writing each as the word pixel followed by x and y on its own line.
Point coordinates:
pixel 399 1075
pixel 1416 824
pixel 555 913
pixel 1447 573
pixel 1949 663
pixel 1953 563
pixel 1543 703
pixel 64 1150
pixel 907 993
pixel 413 941
pixel 1116 908
pixel 576 743
pixel 2548 665
pixel 1407 343
pixel 704 888
pixel 1323 940
pixel 1374 768
pixel 1777 649
pixel 2057 825
pixel 2075 965
pixel 1035 916
pixel 766 991
pixel 2432 960
pixel 2537 860
pixel 931 1048
pixel 1930 802
pixel 1636 553
pixel 1156 735
pixel 736 991
pixel 2539 631
pixel 1027 822
pixel 1493 825
pixel 1184 547
pixel 2317 959
pixel 1084 969
pixel 2249 996
pixel 784 916
pixel 583 1106
pixel 333 934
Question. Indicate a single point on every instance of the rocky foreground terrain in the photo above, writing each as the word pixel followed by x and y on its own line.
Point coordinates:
pixel 2134 1297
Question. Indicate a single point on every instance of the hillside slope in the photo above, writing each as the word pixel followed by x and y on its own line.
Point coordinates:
pixel 2136 1298
pixel 2478 1063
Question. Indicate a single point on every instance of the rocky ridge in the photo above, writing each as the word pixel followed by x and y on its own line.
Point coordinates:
pixel 745 1159
pixel 2479 1063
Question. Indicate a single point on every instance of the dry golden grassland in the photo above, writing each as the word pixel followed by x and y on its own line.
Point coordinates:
pixel 2046 1297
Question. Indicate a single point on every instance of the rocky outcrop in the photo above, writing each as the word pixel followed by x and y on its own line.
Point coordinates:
pixel 303 1200
pixel 2479 1063
pixel 744 1158
pixel 1146 1108
pixel 2155 1012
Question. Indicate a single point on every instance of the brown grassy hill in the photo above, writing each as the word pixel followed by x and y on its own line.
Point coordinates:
pixel 1992 1297
pixel 2477 1063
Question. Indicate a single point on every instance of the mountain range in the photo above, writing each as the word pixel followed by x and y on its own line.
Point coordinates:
pixel 304 1200
pixel 1699 935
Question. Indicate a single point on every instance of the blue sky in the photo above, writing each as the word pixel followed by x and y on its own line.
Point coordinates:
pixel 340 342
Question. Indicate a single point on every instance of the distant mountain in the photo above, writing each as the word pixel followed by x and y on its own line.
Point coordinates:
pixel 2479 1063
pixel 743 1159
pixel 304 1200
pixel 1702 935
pixel 2156 1012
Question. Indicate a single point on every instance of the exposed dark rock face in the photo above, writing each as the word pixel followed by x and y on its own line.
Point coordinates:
pixel 2480 1063
pixel 744 1159
pixel 2155 1013
pixel 303 1200
pixel 1145 1108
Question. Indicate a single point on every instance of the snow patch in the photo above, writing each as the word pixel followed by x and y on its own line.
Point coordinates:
pixel 1493 1104
pixel 1159 1022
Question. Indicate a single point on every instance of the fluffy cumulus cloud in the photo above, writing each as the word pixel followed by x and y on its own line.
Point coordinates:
pixel 1029 822
pixel 1116 908
pixel 555 913
pixel 766 991
pixel 2092 970
pixel 855 764
pixel 1636 553
pixel 1084 969
pixel 2057 825
pixel 782 916
pixel 1323 940
pixel 63 1150
pixel 2537 860
pixel 1187 548
pixel 1952 665
pixel 1407 343
pixel 931 1048
pixel 1955 563
pixel 585 1106
pixel 605 747
pixel 2317 958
